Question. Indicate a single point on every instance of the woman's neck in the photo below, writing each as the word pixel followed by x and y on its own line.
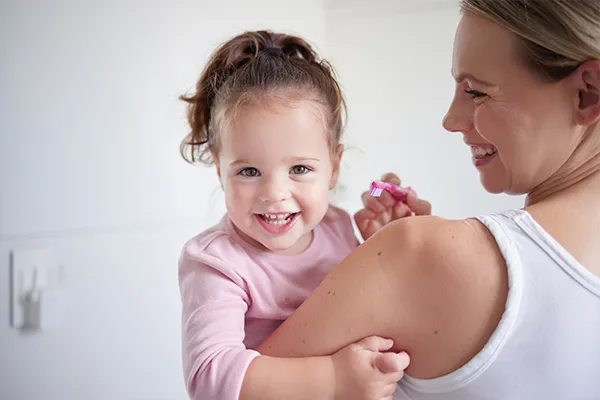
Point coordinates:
pixel 582 169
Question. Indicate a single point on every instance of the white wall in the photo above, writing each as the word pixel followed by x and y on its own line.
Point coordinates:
pixel 89 167
pixel 89 164
pixel 394 60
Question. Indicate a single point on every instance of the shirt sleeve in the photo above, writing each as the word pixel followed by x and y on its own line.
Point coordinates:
pixel 343 225
pixel 349 233
pixel 214 304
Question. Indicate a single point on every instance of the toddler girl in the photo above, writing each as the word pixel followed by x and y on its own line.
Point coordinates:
pixel 268 113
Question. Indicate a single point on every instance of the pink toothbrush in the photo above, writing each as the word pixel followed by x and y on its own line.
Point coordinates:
pixel 400 193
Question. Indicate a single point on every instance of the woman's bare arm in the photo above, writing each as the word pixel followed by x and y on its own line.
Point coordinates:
pixel 436 287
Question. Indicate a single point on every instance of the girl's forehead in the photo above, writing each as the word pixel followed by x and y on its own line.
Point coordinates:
pixel 291 131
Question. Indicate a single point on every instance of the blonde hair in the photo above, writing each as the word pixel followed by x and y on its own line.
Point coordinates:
pixel 556 36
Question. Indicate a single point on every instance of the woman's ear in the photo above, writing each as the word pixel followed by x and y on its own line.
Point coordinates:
pixel 587 82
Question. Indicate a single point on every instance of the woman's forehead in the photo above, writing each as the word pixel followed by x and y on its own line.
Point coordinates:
pixel 482 49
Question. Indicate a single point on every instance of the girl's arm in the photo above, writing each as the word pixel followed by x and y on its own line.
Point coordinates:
pixel 217 365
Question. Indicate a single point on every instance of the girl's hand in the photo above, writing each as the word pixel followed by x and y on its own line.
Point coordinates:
pixel 380 211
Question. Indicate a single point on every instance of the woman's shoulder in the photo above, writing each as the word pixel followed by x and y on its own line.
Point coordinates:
pixel 436 287
pixel 438 239
pixel 454 280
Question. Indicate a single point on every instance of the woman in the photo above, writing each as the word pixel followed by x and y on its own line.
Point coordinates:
pixel 503 306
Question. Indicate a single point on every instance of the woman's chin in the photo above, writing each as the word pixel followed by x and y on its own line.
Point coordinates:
pixel 492 185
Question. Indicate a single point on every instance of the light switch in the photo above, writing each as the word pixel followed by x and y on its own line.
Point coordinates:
pixel 32 271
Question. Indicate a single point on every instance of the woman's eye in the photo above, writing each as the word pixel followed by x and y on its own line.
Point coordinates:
pixel 249 172
pixel 475 93
pixel 299 170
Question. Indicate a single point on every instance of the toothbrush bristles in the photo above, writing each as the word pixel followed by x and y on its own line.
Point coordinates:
pixel 376 192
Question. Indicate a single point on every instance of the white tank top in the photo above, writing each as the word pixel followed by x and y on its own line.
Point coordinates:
pixel 547 344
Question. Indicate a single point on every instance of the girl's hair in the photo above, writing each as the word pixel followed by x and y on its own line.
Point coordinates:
pixel 253 67
pixel 555 36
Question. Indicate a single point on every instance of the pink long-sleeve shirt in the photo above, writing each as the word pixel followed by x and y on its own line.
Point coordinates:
pixel 235 295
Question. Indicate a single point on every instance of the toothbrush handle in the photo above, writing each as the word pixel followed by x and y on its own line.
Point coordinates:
pixel 400 193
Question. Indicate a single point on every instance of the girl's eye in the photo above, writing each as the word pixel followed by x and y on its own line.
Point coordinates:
pixel 475 94
pixel 249 172
pixel 299 170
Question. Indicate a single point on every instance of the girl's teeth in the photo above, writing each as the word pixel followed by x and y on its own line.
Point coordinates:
pixel 277 222
pixel 276 216
pixel 276 219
